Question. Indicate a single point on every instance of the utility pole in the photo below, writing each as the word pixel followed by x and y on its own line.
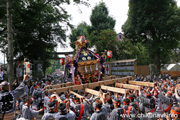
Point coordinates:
pixel 10 55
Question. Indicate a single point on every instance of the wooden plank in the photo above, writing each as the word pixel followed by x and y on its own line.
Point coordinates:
pixel 109 82
pixel 59 85
pixel 58 90
pixel 101 83
pixel 76 87
pixel 93 85
pixel 113 77
pixel 113 89
pixel 135 87
pixel 122 80
pixel 77 95
pixel 48 87
pixel 69 84
pixel 94 92
pixel 151 84
pixel 56 86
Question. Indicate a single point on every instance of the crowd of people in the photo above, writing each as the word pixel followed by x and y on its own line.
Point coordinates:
pixel 160 102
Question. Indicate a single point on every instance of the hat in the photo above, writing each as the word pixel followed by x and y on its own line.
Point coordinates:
pixel 116 101
pixel 126 101
pixel 62 107
pixel 35 85
pixel 169 92
pixel 53 95
pixel 51 104
pixel 96 98
pixel 4 83
pixel 148 94
pixel 131 96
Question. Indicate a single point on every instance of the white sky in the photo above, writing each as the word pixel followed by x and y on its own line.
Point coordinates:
pixel 118 9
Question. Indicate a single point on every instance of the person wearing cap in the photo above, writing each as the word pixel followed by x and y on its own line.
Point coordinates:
pixel 147 104
pixel 175 113
pixel 98 114
pixel 133 103
pixel 80 107
pixel 35 96
pixel 46 99
pixel 158 101
pixel 8 99
pixel 87 105
pixel 118 113
pixel 27 112
pixel 32 87
pixel 167 101
pixel 107 102
pixel 65 112
pixel 130 110
pixel 52 111
pixel 176 94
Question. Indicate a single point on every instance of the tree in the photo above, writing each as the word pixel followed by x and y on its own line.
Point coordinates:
pixel 100 18
pixel 38 26
pixel 134 51
pixel 75 33
pixel 10 68
pixel 158 20
pixel 101 32
pixel 106 40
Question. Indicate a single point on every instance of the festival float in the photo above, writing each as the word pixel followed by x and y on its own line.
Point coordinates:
pixel 85 66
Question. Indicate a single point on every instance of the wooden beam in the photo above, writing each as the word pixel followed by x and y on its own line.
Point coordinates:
pixel 59 85
pixel 135 87
pixel 122 80
pixel 69 84
pixel 113 89
pixel 91 91
pixel 94 92
pixel 151 84
pixel 77 95
pixel 59 90
pixel 76 87
pixel 109 82
pixel 93 85
pixel 88 85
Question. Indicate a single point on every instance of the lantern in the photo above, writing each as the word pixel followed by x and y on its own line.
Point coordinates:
pixel 68 58
pixel 62 61
pixel 109 54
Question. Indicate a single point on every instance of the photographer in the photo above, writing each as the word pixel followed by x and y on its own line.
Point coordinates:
pixel 8 99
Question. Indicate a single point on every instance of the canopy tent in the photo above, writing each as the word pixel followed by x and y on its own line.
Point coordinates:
pixel 172 69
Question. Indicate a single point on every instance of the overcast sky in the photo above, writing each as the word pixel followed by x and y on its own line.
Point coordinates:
pixel 118 9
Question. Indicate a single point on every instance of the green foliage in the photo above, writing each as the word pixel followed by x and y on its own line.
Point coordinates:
pixel 106 40
pixel 134 51
pixel 101 33
pixel 55 64
pixel 159 19
pixel 100 18
pixel 175 55
pixel 75 33
pixel 38 25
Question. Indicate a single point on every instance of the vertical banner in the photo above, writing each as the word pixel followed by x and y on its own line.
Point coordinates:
pixel 27 67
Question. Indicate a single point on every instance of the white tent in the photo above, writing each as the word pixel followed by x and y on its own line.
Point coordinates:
pixel 171 67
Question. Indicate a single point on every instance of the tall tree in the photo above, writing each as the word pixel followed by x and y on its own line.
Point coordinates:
pixel 106 40
pixel 10 69
pixel 100 18
pixel 155 24
pixel 101 32
pixel 76 32
pixel 39 25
